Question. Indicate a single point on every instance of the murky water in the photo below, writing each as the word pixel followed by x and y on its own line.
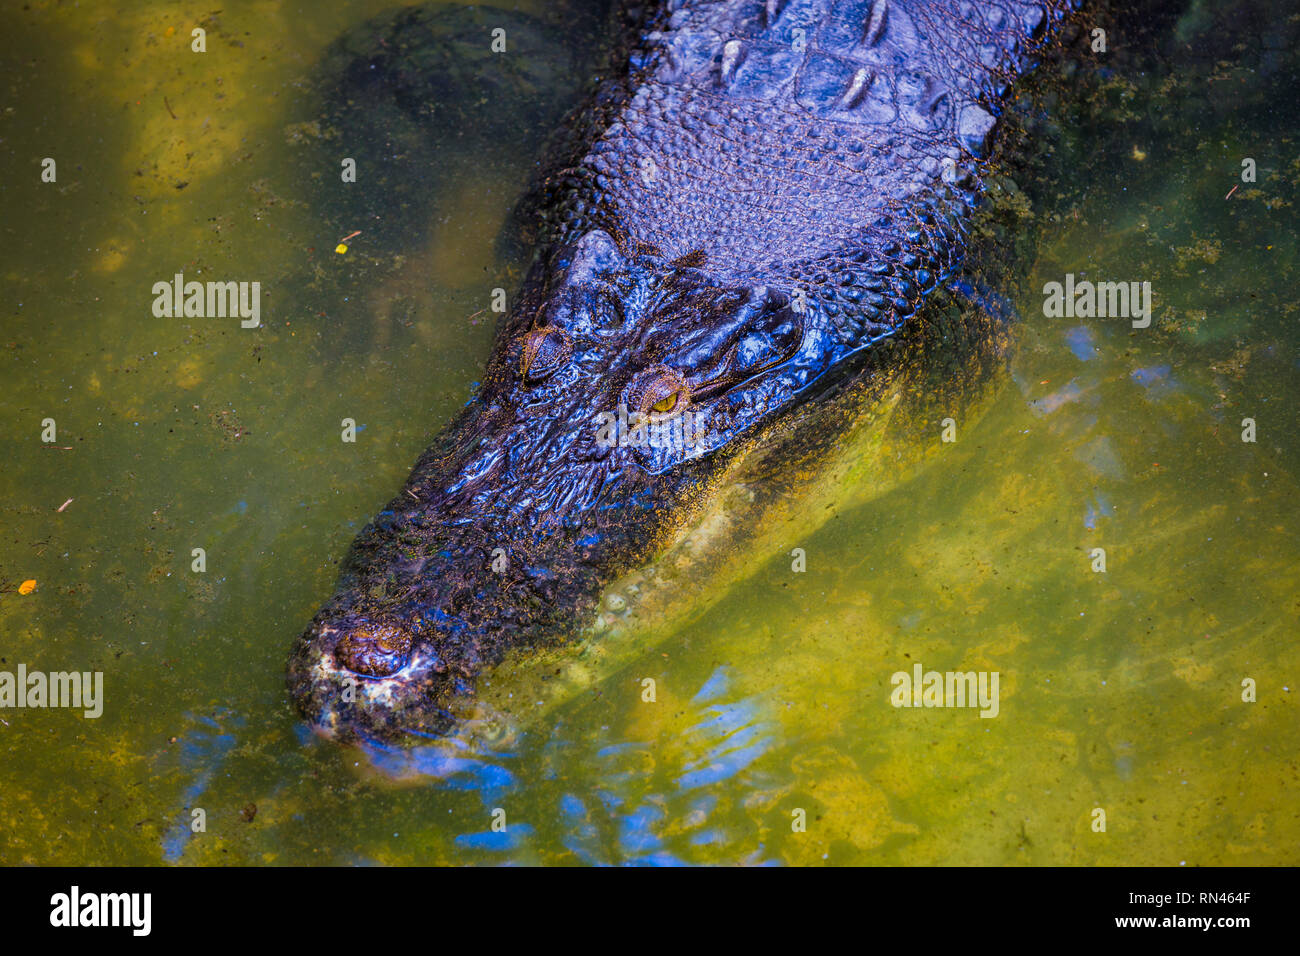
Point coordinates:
pixel 1120 690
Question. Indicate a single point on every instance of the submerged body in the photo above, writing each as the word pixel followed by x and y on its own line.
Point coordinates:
pixel 764 194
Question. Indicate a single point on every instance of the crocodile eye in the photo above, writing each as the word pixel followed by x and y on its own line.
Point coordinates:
pixel 544 351
pixel 658 393
pixel 665 405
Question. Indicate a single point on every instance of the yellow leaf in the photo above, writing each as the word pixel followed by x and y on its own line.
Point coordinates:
pixel 27 587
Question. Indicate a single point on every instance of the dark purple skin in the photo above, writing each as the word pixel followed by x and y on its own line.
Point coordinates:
pixel 760 192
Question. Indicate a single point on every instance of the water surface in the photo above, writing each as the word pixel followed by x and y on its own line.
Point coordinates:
pixel 1120 690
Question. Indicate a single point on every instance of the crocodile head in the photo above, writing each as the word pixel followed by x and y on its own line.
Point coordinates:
pixel 765 210
pixel 618 386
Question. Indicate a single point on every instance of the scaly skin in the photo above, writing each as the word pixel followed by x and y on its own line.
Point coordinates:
pixel 762 191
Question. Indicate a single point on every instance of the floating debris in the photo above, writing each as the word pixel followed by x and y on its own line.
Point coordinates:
pixel 342 247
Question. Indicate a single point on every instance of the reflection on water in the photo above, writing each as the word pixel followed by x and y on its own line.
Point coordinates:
pixel 200 753
pixel 1120 689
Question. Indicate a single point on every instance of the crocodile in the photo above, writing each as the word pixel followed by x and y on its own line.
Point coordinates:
pixel 757 200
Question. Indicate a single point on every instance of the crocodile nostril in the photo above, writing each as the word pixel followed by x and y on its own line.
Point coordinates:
pixel 545 350
pixel 374 650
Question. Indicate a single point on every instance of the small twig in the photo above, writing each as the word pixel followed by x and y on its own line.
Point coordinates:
pixel 1231 191
pixel 169 107
pixel 64 505
pixel 350 235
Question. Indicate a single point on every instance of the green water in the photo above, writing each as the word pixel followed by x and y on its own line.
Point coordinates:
pixel 1120 690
